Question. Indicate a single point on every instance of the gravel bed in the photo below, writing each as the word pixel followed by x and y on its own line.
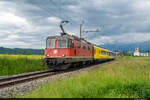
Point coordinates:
pixel 24 88
pixel 3 77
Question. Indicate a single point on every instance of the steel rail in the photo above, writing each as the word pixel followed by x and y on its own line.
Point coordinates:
pixel 22 75
pixel 13 80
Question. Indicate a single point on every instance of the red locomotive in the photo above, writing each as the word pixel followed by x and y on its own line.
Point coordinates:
pixel 63 51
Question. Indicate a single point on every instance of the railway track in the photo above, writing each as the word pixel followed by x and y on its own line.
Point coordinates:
pixel 17 79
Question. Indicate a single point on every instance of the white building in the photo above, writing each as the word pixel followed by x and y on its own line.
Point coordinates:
pixel 136 52
pixel 144 54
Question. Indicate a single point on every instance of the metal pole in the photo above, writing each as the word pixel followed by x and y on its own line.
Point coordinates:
pixel 80 30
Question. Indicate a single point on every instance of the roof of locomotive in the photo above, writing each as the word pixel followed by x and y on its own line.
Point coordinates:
pixel 69 36
pixel 66 35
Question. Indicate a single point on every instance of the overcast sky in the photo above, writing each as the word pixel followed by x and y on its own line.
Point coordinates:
pixel 26 23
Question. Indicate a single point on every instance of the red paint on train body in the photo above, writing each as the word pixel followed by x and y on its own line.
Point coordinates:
pixel 62 47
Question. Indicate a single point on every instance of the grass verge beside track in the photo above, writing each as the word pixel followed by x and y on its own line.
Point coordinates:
pixel 17 64
pixel 127 77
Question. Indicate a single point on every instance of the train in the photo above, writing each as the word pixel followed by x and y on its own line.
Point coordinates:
pixel 65 51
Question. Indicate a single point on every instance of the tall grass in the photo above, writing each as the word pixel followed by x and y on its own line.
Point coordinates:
pixel 16 64
pixel 127 77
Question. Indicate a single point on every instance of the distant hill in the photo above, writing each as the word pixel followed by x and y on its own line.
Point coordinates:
pixel 143 47
pixel 21 51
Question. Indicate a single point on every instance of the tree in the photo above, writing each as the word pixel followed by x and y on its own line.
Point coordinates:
pixel 24 52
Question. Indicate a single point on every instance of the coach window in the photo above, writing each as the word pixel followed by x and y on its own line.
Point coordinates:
pixel 111 54
pixel 84 46
pixel 62 44
pixel 103 52
pixel 79 44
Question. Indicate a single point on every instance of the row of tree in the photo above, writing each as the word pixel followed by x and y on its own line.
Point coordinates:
pixel 21 51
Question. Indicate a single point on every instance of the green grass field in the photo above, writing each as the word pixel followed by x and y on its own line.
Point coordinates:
pixel 123 78
pixel 16 64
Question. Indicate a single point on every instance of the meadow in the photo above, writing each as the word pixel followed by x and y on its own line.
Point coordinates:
pixel 17 64
pixel 128 77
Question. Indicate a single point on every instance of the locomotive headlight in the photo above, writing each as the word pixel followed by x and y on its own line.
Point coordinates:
pixel 47 54
pixel 55 51
pixel 63 55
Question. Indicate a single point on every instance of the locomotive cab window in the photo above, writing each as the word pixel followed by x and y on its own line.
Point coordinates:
pixel 62 43
pixel 50 43
pixel 69 43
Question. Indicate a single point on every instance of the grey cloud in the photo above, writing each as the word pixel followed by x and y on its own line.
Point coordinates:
pixel 36 19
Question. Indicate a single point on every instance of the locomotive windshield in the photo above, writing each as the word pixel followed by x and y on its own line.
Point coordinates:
pixel 64 43
pixel 50 43
pixel 61 43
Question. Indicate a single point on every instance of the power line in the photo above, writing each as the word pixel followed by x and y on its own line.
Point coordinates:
pixel 47 11
pixel 63 15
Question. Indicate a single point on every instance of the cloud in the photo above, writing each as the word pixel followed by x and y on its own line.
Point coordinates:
pixel 54 20
pixel 7 18
pixel 132 38
pixel 75 8
pixel 100 40
pixel 21 31
pixel 27 23
pixel 143 5
pixel 124 38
